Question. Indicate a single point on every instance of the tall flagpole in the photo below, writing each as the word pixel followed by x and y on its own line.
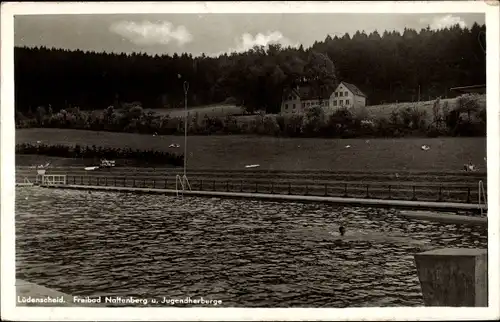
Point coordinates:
pixel 186 88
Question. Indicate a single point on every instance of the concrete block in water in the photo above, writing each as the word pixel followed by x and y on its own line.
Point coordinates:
pixel 456 277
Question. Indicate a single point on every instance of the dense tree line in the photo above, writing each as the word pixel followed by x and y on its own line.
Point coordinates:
pixel 391 66
pixel 146 157
pixel 465 117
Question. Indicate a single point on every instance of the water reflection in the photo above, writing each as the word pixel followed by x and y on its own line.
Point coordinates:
pixel 245 253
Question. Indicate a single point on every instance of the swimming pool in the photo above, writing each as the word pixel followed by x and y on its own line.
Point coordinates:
pixel 245 253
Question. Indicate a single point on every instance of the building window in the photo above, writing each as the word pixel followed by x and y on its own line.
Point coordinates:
pixel 293 106
pixel 341 94
pixel 335 103
pixel 346 102
pixel 336 94
pixel 286 106
pixel 341 102
pixel 346 94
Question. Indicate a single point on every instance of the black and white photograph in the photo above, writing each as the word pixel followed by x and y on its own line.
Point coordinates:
pixel 232 156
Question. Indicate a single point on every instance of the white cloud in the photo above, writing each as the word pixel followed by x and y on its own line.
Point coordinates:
pixel 149 33
pixel 444 21
pixel 247 41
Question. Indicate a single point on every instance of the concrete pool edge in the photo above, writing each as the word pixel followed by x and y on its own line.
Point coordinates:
pixel 391 203
pixel 446 218
pixel 26 291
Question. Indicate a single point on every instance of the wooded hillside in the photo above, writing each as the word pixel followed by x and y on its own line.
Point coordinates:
pixel 387 67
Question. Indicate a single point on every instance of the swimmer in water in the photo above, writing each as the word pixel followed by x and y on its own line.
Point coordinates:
pixel 339 241
pixel 342 232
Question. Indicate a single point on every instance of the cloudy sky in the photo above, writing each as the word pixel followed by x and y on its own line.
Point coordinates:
pixel 210 33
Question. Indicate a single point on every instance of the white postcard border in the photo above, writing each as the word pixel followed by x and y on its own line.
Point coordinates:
pixel 7 144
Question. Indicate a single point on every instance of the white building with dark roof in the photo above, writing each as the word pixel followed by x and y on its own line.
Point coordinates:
pixel 346 95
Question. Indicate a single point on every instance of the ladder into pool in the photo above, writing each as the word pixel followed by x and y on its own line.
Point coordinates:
pixel 482 193
pixel 26 183
pixel 183 182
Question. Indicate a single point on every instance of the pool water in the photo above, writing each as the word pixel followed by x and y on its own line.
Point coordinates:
pixel 244 253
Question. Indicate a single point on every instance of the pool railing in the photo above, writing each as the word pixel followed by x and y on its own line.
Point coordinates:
pixel 397 191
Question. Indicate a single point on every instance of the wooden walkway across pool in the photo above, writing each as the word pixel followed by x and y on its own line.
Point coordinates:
pixel 384 203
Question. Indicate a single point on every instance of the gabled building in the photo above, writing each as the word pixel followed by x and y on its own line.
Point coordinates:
pixel 297 100
pixel 348 95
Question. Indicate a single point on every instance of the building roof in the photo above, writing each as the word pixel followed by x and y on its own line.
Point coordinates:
pixel 310 93
pixel 306 93
pixel 354 89
pixel 481 89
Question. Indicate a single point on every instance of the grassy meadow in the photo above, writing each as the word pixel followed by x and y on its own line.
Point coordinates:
pixel 234 152
pixel 385 110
